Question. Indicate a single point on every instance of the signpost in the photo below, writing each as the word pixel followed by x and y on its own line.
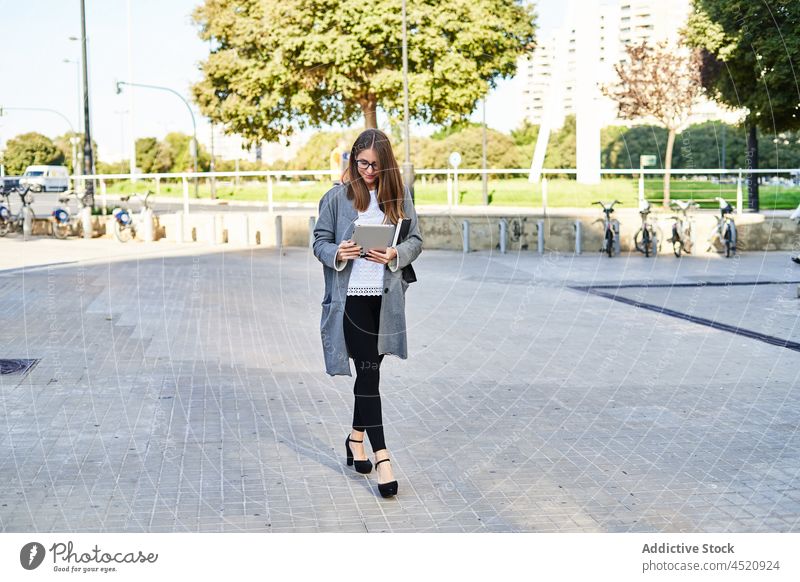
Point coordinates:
pixel 455 160
pixel 647 160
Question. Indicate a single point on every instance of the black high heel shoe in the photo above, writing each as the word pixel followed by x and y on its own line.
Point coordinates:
pixel 387 489
pixel 361 466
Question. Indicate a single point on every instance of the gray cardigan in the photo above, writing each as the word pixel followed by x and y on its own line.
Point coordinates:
pixel 336 223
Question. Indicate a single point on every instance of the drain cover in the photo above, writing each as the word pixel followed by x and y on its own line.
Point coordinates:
pixel 19 367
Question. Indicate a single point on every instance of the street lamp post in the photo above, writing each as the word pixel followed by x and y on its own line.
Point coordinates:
pixel 74 140
pixel 408 167
pixel 88 155
pixel 61 115
pixel 485 175
pixel 193 147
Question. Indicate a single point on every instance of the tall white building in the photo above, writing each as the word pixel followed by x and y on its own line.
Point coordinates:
pixel 621 23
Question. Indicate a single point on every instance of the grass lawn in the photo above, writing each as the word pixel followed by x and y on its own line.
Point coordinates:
pixel 507 192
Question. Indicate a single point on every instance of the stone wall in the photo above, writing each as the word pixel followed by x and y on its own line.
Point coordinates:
pixel 443 230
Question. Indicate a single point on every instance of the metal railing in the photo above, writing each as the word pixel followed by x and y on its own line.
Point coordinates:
pixel 451 177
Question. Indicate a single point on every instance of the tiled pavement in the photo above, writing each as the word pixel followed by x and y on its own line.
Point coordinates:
pixel 187 393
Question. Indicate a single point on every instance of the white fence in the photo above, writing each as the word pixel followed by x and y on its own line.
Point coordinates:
pixel 451 176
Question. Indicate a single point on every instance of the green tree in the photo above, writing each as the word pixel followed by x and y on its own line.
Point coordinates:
pixel 276 65
pixel 315 153
pixel 622 146
pixel 30 149
pixel 500 150
pixel 561 147
pixel 525 134
pixel 448 130
pixel 146 152
pixel 62 143
pixel 178 150
pixel 701 146
pixel 750 52
pixel 118 167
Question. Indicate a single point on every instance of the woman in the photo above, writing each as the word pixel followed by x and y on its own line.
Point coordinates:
pixel 363 311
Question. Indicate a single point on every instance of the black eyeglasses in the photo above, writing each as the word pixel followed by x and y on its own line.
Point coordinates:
pixel 364 164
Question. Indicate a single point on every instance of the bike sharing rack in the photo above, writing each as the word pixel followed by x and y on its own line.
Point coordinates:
pixel 540 236
pixel 503 238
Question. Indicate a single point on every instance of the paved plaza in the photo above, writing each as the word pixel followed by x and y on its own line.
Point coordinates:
pixel 182 388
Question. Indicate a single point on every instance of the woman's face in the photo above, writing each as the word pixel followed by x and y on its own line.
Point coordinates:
pixel 367 164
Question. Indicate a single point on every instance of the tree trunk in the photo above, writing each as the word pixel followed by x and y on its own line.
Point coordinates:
pixel 369 106
pixel 668 165
pixel 751 161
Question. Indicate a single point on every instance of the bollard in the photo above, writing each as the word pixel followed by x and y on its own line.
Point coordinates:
pixel 465 235
pixel 104 196
pixel 212 225
pixel 544 196
pixel 503 234
pixel 86 221
pixel 578 237
pixel 179 227
pixel 540 236
pixel 27 224
pixel 147 228
pixel 312 222
pixel 279 232
pixel 247 229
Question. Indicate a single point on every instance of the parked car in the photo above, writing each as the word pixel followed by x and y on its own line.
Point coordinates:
pixel 8 184
pixel 46 178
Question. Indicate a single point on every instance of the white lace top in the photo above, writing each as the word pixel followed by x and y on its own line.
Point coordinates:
pixel 366 278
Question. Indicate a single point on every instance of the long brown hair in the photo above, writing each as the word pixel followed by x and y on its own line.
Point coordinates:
pixel 390 183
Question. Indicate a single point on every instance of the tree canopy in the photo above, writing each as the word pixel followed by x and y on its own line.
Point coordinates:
pixel 750 53
pixel 173 154
pixel 277 64
pixel 30 149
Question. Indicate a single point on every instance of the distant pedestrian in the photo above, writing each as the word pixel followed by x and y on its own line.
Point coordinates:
pixel 340 157
pixel 363 310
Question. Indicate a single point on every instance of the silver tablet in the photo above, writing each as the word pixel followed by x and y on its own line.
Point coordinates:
pixel 373 237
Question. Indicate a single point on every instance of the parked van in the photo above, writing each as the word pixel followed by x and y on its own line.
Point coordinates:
pixel 46 178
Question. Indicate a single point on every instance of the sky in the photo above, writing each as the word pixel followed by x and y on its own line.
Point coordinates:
pixel 166 50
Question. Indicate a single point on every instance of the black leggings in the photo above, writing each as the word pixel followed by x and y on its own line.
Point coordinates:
pixel 361 327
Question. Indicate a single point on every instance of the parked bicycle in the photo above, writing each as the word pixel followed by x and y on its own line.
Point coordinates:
pixel 126 223
pixel 796 217
pixel 610 229
pixel 23 221
pixel 683 228
pixel 647 239
pixel 724 233
pixel 63 222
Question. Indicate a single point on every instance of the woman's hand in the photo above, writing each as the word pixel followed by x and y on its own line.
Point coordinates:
pixel 379 257
pixel 348 249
